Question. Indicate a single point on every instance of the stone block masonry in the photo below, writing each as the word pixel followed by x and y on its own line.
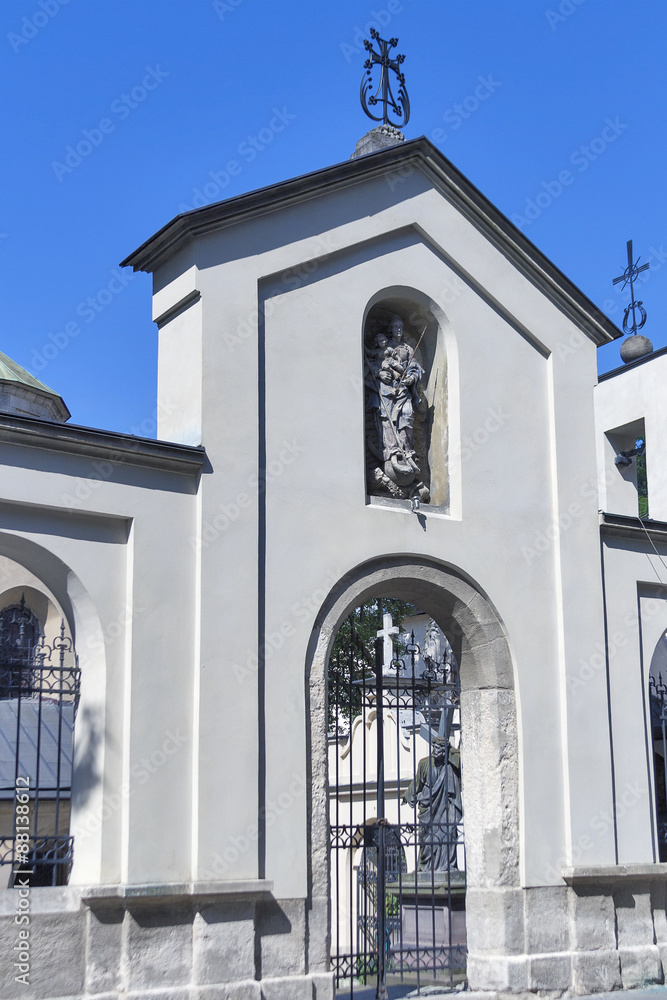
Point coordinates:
pixel 603 932
pixel 221 941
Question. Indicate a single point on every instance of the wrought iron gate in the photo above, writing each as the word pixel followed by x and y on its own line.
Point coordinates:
pixel 658 701
pixel 39 693
pixel 397 852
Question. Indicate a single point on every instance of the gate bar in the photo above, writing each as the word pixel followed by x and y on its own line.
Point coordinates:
pixel 381 992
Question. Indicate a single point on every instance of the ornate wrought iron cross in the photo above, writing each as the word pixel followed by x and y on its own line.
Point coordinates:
pixel 629 275
pixel 399 106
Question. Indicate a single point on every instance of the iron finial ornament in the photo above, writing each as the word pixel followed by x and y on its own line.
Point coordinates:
pixel 398 106
pixel 635 306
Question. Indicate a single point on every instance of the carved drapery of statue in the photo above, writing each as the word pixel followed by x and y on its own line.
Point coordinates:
pixel 396 411
pixel 436 792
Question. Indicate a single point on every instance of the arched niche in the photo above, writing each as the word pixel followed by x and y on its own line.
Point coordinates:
pixel 406 397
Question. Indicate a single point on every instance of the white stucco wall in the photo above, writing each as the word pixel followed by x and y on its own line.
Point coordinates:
pixel 636 607
pixel 634 398
pixel 285 391
pixel 109 540
pixel 629 404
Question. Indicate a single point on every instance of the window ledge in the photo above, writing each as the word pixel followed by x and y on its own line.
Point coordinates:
pixel 68 898
pixel 593 874
pixel 158 893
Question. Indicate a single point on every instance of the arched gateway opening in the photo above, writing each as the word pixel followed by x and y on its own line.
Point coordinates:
pixel 396 891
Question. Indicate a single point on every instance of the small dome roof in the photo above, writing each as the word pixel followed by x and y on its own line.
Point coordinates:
pixel 11 372
pixel 24 395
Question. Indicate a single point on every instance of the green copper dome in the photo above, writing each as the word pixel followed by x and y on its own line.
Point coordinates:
pixel 24 395
pixel 11 372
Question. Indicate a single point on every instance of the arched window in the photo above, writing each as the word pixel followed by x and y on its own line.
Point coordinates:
pixel 39 692
pixel 19 635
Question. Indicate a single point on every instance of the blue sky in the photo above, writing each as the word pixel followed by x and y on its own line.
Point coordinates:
pixel 558 105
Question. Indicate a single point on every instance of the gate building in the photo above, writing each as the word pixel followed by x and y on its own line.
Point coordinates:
pixel 372 388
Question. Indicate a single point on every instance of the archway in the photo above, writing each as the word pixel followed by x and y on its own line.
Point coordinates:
pixel 489 751
pixel 658 737
pixel 71 625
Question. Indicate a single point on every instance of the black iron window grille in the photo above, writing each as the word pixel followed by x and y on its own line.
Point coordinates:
pixel 19 635
pixel 39 694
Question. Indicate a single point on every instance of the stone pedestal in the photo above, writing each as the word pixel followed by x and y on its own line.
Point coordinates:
pixel 378 138
pixel 635 347
pixel 432 916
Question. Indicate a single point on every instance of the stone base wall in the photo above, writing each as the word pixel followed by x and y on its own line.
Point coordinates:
pixel 174 946
pixel 575 939
pixel 199 943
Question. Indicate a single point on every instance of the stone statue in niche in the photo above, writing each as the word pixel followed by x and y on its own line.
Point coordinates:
pixel 395 453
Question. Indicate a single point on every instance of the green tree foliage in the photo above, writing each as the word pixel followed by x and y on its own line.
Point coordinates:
pixel 353 655
pixel 642 480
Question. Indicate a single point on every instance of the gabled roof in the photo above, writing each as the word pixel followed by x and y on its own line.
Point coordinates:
pixel 419 154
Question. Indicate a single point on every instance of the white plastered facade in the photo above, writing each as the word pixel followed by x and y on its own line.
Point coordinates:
pixel 238 564
pixel 505 371
pixel 629 405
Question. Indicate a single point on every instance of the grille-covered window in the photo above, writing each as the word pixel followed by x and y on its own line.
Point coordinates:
pixel 19 635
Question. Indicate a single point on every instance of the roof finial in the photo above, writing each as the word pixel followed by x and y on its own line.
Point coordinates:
pixel 399 107
pixel 634 317
pixel 388 132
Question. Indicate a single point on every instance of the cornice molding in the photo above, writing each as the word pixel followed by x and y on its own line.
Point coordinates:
pixel 125 449
pixel 632 527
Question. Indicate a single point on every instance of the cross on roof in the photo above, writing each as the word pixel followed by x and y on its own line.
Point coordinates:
pixel 629 275
pixel 399 105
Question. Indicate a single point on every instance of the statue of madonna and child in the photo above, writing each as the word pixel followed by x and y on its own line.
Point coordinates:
pixel 392 382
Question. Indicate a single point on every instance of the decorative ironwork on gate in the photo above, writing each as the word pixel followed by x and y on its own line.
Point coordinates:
pixel 397 848
pixel 39 695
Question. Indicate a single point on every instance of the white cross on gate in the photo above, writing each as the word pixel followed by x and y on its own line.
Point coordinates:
pixel 385 634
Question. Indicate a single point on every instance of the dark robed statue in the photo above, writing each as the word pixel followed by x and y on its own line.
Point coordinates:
pixel 436 792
